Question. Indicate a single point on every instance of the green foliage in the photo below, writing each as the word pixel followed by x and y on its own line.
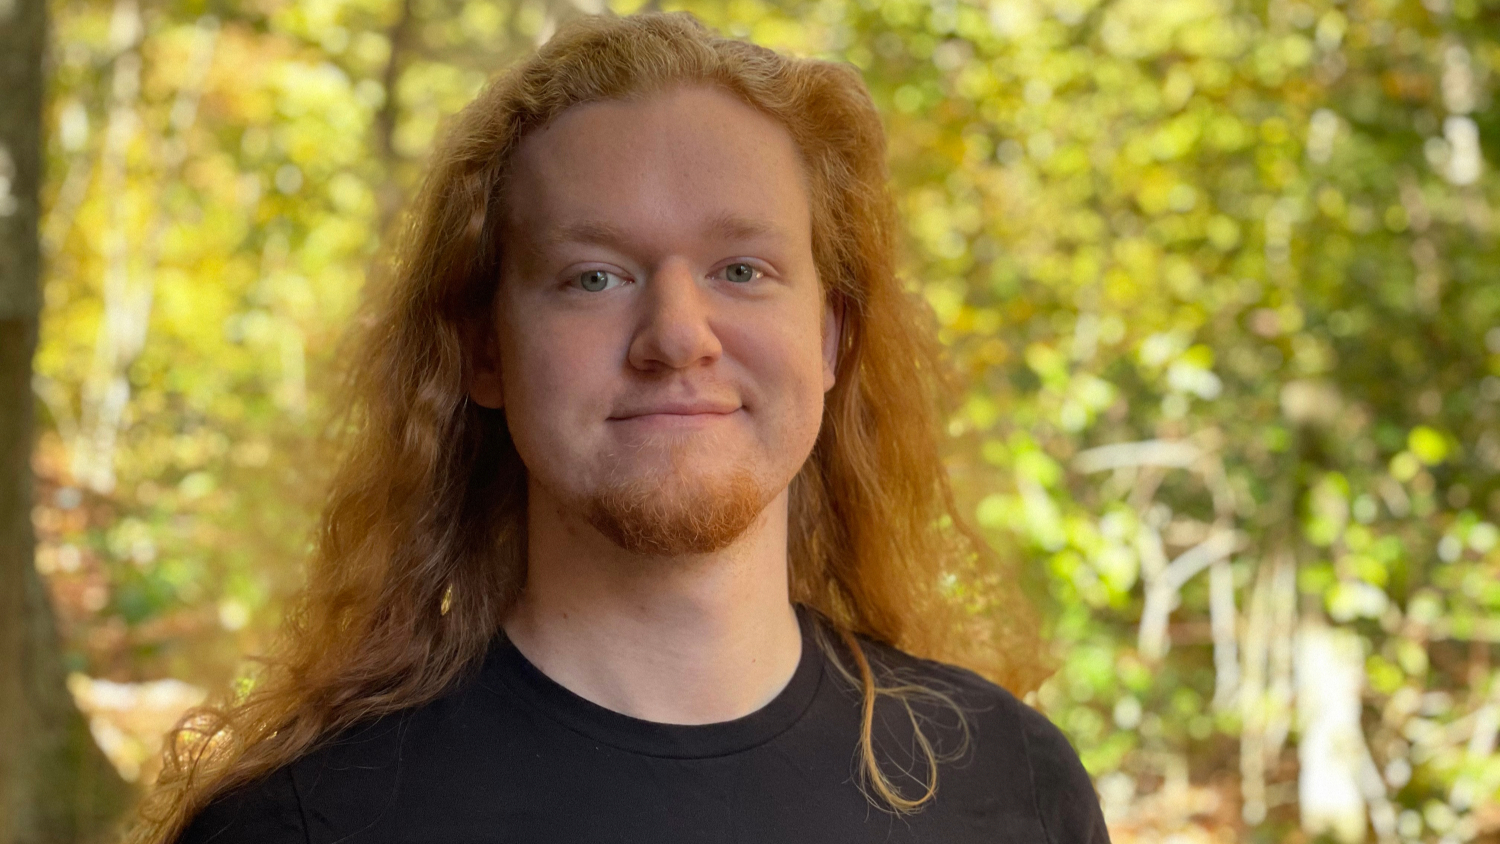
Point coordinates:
pixel 1221 274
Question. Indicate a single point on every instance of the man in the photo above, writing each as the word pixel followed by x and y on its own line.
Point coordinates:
pixel 645 514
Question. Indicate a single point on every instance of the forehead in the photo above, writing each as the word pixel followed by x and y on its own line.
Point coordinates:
pixel 689 156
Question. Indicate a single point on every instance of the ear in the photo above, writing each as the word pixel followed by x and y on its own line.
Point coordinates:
pixel 833 325
pixel 486 386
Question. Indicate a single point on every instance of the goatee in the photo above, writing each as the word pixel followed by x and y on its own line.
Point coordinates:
pixel 678 512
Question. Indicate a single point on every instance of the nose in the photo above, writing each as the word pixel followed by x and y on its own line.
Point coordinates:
pixel 673 330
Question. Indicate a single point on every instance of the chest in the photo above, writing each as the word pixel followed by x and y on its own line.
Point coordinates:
pixel 533 783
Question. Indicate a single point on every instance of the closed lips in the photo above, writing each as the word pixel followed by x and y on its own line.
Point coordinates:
pixel 679 410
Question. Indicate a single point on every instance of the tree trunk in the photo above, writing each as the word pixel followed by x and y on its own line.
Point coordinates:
pixel 55 784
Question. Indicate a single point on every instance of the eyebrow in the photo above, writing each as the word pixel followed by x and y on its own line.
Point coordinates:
pixel 723 226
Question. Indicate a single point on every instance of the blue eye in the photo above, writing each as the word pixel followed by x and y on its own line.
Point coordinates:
pixel 595 280
pixel 741 272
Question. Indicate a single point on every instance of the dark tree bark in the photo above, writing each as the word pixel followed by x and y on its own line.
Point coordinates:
pixel 55 785
pixel 389 195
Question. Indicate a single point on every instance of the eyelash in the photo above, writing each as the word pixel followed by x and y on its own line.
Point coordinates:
pixel 757 271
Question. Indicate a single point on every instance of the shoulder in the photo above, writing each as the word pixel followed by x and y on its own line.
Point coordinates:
pixel 349 778
pixel 1008 730
pixel 352 774
pixel 268 811
pixel 1066 801
pixel 349 775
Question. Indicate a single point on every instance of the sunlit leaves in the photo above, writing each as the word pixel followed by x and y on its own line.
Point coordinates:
pixel 1263 234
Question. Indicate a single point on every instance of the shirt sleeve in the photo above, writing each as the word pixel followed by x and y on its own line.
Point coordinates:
pixel 266 812
pixel 1067 805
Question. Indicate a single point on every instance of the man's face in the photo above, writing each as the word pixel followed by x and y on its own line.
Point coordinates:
pixel 664 345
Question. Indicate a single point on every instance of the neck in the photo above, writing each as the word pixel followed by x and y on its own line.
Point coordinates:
pixel 680 640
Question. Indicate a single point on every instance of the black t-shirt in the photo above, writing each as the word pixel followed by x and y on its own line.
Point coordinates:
pixel 511 756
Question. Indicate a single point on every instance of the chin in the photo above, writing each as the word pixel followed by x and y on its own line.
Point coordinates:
pixel 680 513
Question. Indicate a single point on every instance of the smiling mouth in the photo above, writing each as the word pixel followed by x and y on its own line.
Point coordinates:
pixel 675 419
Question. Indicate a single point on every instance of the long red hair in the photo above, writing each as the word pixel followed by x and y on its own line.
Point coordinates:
pixel 421 548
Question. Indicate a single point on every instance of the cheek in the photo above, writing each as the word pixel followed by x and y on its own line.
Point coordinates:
pixel 548 368
pixel 785 353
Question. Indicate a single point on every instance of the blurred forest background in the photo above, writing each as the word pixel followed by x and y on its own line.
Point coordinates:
pixel 1222 275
